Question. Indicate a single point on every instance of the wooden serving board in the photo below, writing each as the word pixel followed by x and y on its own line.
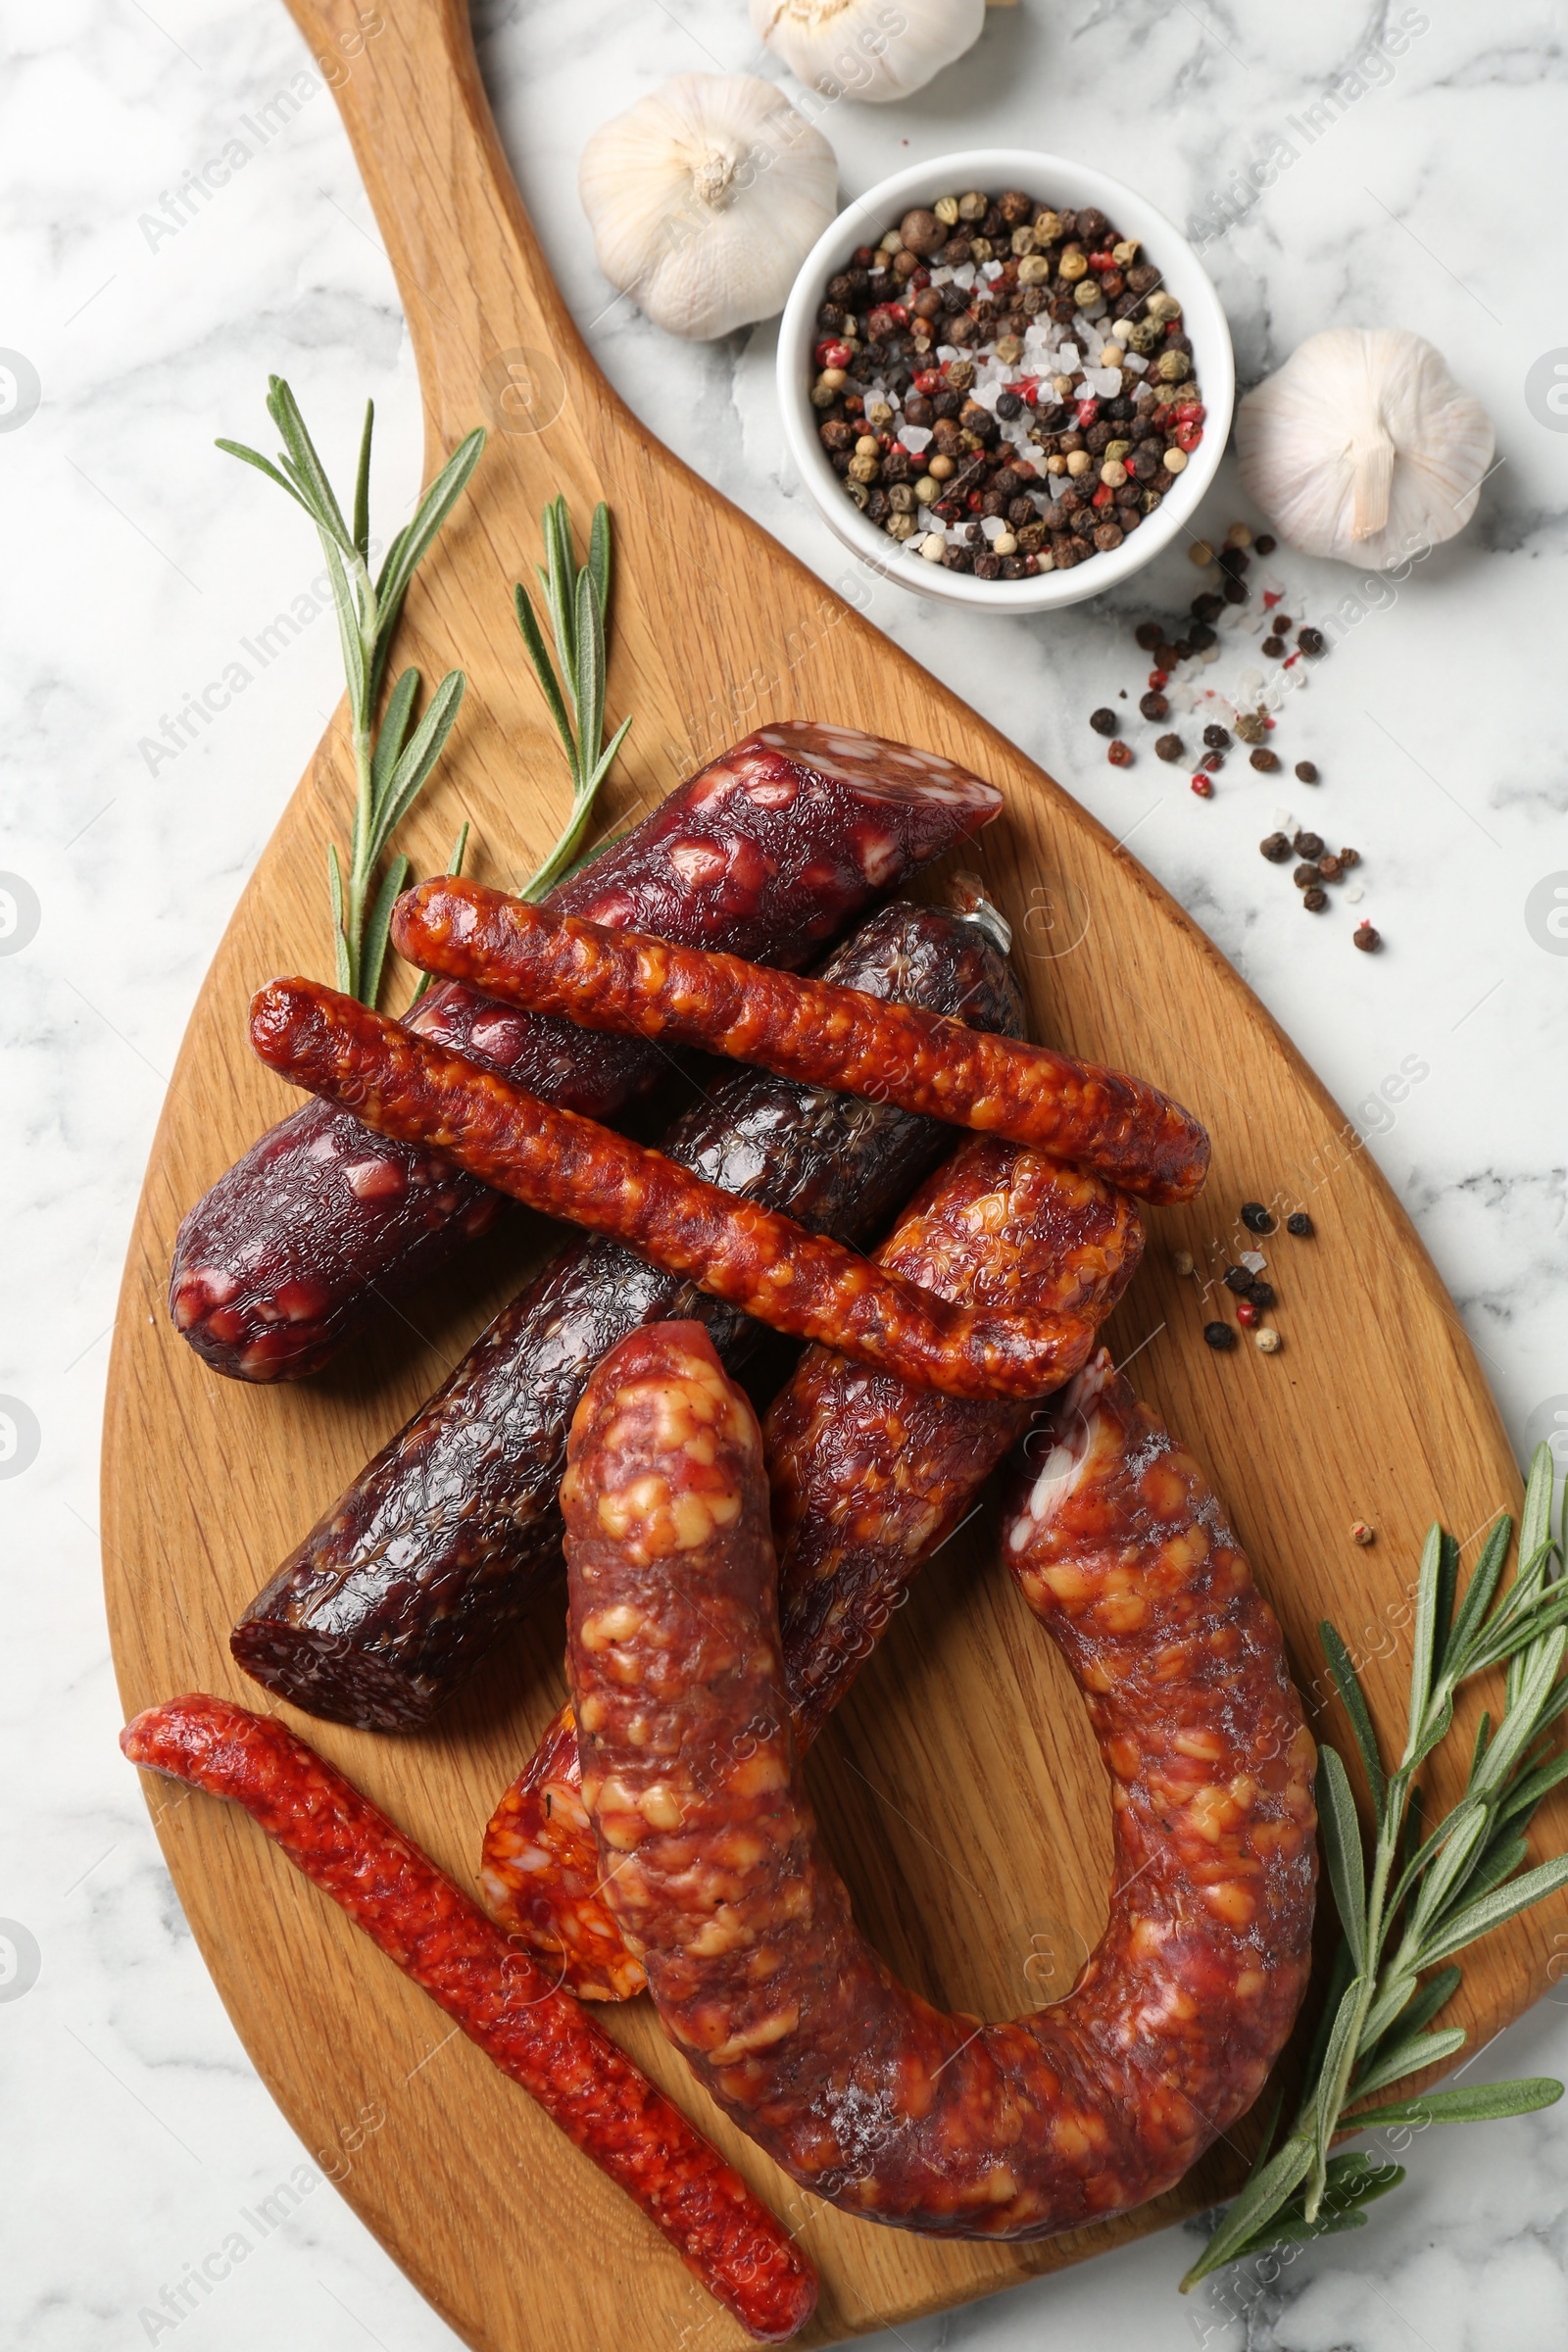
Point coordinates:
pixel 959 1789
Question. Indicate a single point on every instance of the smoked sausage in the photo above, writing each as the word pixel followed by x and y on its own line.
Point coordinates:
pixel 869 1476
pixel 801 1284
pixel 769 851
pixel 814 1030
pixel 500 1998
pixel 862 2091
pixel 454 1529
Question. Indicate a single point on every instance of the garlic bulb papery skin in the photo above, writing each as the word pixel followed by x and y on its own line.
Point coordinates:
pixel 871 49
pixel 1362 445
pixel 705 198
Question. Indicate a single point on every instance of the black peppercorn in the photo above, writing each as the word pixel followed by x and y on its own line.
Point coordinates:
pixel 1219 1336
pixel 1148 634
pixel 1207 607
pixel 1217 738
pixel 1308 844
pixel 1272 646
pixel 1240 1280
pixel 1305 876
pixel 1234 592
pixel 1313 642
pixel 1265 760
pixel 1261 1293
pixel 1154 705
pixel 1255 1217
pixel 1315 899
pixel 1368 939
pixel 1301 1224
pixel 1103 720
pixel 1276 847
pixel 1306 772
pixel 1169 747
pixel 1200 637
pixel 1266 545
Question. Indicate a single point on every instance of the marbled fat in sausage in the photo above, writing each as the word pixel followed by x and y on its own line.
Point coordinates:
pixel 769 851
pixel 814 1030
pixel 453 1530
pixel 862 2091
pixel 500 1998
pixel 869 1476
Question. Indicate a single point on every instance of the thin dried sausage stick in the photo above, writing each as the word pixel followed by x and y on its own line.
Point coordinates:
pixel 810 1030
pixel 454 1529
pixel 862 2091
pixel 541 2037
pixel 803 1284
pixel 769 851
pixel 869 1476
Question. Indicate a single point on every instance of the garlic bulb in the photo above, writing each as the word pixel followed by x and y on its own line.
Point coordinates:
pixel 867 48
pixel 1362 445
pixel 705 198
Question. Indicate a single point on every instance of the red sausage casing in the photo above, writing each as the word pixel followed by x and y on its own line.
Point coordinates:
pixel 769 851
pixel 862 2091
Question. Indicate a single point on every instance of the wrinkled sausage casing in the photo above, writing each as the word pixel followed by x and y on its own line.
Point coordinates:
pixel 869 1476
pixel 496 1994
pixel 446 1535
pixel 860 2089
pixel 816 1030
pixel 803 1284
pixel 769 851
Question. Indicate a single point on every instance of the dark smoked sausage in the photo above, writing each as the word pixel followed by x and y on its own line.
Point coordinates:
pixel 801 1283
pixel 500 1998
pixel 451 1532
pixel 769 851
pixel 864 2092
pixel 869 1476
pixel 816 1030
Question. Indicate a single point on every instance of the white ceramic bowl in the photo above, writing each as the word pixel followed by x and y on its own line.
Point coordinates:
pixel 1048 180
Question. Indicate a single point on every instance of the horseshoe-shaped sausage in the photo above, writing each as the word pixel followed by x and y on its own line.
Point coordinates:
pixel 859 2090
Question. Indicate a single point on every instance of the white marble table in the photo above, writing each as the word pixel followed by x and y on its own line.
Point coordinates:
pixel 139 2141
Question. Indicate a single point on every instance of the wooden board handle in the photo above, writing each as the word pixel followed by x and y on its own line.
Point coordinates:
pixel 475 286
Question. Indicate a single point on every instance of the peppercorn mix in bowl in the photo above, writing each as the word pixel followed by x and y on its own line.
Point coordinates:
pixel 1005 379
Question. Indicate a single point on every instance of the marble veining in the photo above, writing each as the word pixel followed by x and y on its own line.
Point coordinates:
pixel 153 2193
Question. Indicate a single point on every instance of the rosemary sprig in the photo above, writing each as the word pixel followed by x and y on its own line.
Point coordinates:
pixel 391 763
pixel 1425 1896
pixel 576 601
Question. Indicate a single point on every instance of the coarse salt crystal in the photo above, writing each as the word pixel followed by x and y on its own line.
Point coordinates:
pixel 965 277
pixel 943 277
pixel 1181 697
pixel 1355 893
pixel 1210 653
pixel 993 525
pixel 1253 1260
pixel 990 272
pixel 916 438
pixel 1135 363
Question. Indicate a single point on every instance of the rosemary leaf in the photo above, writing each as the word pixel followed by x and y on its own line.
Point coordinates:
pixel 416 761
pixel 576 605
pixel 393 733
pixel 389 769
pixel 1342 1846
pixel 372 954
pixel 1250 2212
pixel 1476 2103
pixel 1348 1685
pixel 1421 1898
